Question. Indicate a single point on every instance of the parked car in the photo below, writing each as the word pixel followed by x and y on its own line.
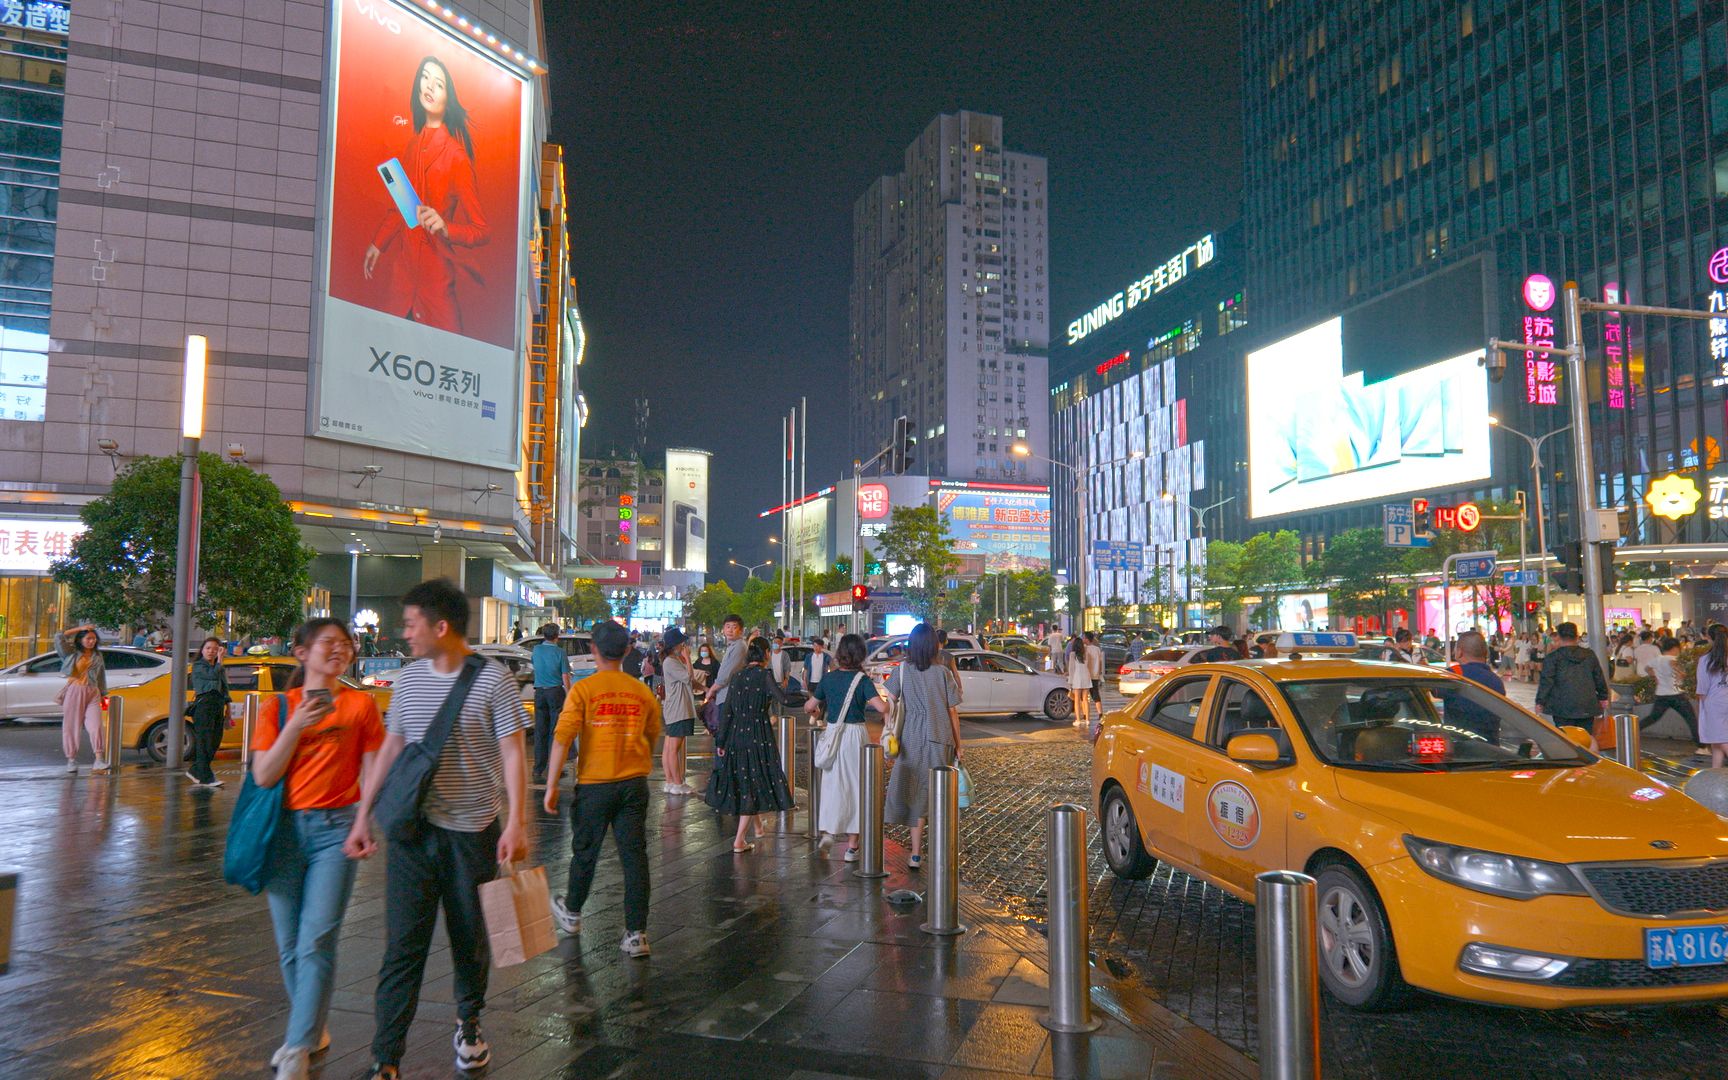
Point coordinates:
pixel 577 645
pixel 1460 844
pixel 27 689
pixel 145 723
pixel 893 649
pixel 1153 664
pixel 514 657
pixel 993 683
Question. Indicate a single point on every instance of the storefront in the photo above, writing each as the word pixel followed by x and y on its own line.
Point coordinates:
pixel 33 606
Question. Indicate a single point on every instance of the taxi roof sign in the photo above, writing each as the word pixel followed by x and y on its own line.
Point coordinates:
pixel 1316 642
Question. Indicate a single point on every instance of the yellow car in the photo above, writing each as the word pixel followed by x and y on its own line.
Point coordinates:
pixel 145 723
pixel 1461 845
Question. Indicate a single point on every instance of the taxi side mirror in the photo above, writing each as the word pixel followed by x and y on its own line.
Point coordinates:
pixel 1261 749
pixel 1582 736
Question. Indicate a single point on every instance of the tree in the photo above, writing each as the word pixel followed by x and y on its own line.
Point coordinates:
pixel 251 561
pixel 756 603
pixel 1034 596
pixel 710 605
pixel 1115 611
pixel 586 604
pixel 920 556
pixel 1270 563
pixel 1360 569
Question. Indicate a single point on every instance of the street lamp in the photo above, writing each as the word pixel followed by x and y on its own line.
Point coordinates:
pixel 1535 442
pixel 1199 512
pixel 750 571
pixel 1020 449
pixel 186 543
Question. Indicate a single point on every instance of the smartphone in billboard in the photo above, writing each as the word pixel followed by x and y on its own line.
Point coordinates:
pixel 689 538
pixel 396 182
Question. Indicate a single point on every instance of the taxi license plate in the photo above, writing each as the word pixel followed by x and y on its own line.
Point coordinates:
pixel 1686 946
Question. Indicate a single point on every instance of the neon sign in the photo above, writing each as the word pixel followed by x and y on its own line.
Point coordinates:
pixel 1541 373
pixel 1170 272
pixel 1717 303
pixel 1114 361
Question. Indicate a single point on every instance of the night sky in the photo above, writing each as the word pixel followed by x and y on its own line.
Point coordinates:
pixel 714 151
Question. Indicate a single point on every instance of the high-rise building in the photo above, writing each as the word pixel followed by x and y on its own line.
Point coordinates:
pixel 949 305
pixel 1493 150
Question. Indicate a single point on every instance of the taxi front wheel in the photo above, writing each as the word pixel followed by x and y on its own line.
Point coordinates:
pixel 1358 962
pixel 1123 850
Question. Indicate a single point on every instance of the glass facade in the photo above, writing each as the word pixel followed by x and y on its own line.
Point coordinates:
pixel 32 611
pixel 1387 139
pixel 32 101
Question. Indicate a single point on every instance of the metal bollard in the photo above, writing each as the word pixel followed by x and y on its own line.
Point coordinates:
pixel 871 797
pixel 248 724
pixel 8 908
pixel 1285 918
pixel 813 789
pixel 1070 964
pixel 788 738
pixel 1626 736
pixel 942 902
pixel 114 738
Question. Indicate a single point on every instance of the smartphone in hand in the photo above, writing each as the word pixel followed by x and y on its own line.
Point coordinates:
pixel 402 191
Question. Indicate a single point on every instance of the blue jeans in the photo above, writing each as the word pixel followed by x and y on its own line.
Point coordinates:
pixel 310 881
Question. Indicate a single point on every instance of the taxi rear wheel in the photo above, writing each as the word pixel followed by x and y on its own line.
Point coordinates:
pixel 156 743
pixel 1123 849
pixel 1358 962
pixel 1058 705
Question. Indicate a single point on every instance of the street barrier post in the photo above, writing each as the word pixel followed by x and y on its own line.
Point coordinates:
pixel 8 909
pixel 788 739
pixel 1070 962
pixel 813 788
pixel 871 797
pixel 249 724
pixel 1285 918
pixel 1626 738
pixel 942 902
pixel 113 739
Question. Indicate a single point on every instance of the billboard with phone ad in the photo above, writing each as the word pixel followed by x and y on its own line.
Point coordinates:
pixel 424 239
pixel 686 512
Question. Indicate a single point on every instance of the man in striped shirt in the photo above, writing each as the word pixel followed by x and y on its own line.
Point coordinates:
pixel 482 777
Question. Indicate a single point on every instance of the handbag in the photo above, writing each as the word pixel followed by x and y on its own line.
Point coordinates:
pixel 891 730
pixel 711 718
pixel 965 785
pixel 396 808
pixel 517 907
pixel 828 748
pixel 252 827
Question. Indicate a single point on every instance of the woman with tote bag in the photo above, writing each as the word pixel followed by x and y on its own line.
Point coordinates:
pixel 847 695
pixel 929 733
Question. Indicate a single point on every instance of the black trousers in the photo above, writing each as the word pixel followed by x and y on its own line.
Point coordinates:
pixel 621 806
pixel 439 867
pixel 548 703
pixel 209 714
pixel 1681 704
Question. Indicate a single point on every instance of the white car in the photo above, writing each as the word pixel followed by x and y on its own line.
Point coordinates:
pixel 27 689
pixel 575 644
pixel 1136 675
pixel 993 684
pixel 893 650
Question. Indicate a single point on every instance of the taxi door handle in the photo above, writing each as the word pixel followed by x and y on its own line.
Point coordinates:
pixel 1197 778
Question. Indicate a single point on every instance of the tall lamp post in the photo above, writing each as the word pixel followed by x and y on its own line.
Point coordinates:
pixel 186 544
pixel 750 571
pixel 1020 449
pixel 1199 512
pixel 1535 442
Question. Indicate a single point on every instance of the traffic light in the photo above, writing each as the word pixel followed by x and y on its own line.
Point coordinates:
pixel 860 597
pixel 1570 578
pixel 900 447
pixel 1419 517
pixel 1531 607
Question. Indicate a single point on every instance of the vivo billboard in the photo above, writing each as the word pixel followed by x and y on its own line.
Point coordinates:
pixel 686 512
pixel 423 259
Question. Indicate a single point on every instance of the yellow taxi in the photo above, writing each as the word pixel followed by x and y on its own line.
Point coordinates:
pixel 144 726
pixel 1461 845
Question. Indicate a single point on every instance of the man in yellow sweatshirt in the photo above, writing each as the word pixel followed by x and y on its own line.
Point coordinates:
pixel 613 719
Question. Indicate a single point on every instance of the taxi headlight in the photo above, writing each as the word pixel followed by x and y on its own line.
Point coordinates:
pixel 1491 872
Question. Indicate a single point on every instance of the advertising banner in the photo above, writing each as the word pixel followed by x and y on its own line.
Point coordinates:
pixel 807 529
pixel 29 545
pixel 1009 527
pixel 1303 611
pixel 686 510
pixel 425 240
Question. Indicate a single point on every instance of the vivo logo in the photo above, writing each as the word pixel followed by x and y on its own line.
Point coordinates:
pixel 379 13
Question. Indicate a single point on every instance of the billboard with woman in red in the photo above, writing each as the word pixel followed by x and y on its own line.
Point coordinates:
pixel 425 241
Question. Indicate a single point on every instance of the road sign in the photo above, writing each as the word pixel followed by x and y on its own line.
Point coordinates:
pixel 1117 555
pixel 1401 527
pixel 1473 567
pixel 1522 577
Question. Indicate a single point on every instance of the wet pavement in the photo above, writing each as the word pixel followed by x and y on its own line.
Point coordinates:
pixel 132 959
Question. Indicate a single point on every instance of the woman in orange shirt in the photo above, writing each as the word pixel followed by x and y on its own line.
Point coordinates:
pixel 329 738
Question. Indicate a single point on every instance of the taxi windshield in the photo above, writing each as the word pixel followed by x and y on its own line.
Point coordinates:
pixel 1427 725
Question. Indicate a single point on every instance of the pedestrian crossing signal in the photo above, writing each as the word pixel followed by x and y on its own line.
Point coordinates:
pixel 860 597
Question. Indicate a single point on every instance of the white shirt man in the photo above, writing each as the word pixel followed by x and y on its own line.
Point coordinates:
pixel 1054 642
pixel 1645 655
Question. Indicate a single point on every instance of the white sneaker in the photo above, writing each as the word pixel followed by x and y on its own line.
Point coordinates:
pixel 195 781
pixel 670 788
pixel 471 1049
pixel 101 765
pixel 687 789
pixel 296 1065
pixel 635 943
pixel 282 1051
pixel 72 765
pixel 825 843
pixel 851 854
pixel 570 922
pixel 215 781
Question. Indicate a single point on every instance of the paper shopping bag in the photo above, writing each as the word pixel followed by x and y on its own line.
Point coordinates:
pixel 518 911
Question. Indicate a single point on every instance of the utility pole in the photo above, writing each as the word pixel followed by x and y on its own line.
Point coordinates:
pixel 1584 465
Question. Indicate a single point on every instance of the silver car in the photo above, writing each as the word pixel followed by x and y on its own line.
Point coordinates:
pixel 993 683
pixel 28 689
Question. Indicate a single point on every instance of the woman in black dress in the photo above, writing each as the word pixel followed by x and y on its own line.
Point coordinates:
pixel 747 779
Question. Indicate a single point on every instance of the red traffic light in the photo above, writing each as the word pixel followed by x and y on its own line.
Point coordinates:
pixel 1531 607
pixel 860 593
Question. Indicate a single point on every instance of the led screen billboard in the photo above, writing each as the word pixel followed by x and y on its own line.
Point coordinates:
pixel 1323 432
pixel 686 511
pixel 1008 526
pixel 424 244
pixel 807 534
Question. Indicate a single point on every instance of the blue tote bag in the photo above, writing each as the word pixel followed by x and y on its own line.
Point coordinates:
pixel 257 813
